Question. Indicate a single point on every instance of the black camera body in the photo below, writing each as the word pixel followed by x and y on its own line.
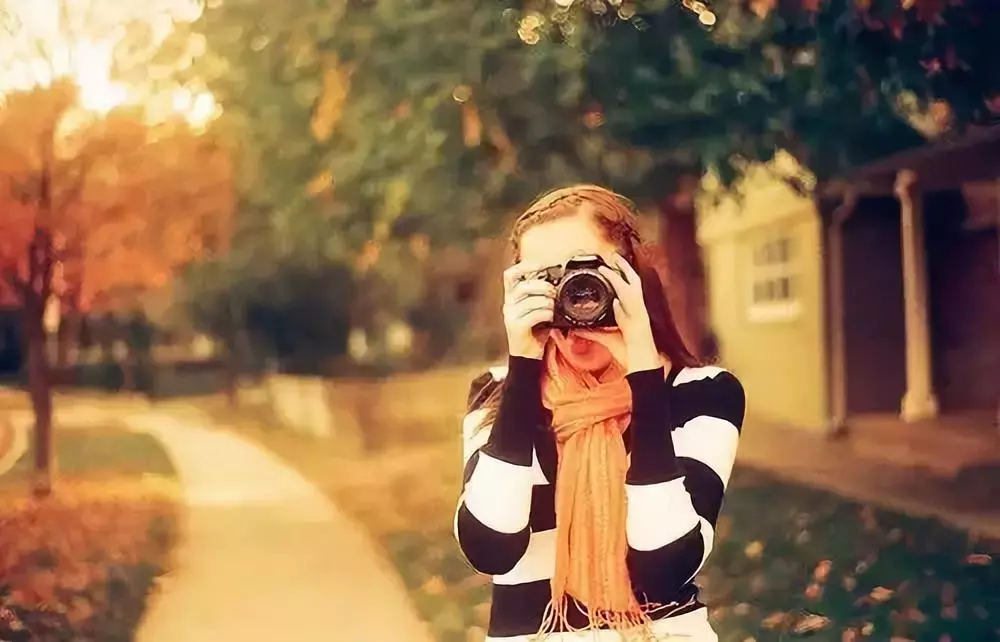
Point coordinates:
pixel 584 296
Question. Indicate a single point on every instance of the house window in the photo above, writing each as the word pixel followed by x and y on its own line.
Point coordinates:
pixel 773 279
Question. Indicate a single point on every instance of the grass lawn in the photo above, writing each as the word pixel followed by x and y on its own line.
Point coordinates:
pixel 790 562
pixel 80 565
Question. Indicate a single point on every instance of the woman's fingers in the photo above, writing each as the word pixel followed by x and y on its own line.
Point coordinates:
pixel 532 287
pixel 516 273
pixel 525 307
pixel 619 311
pixel 625 280
pixel 616 280
pixel 626 269
pixel 538 317
pixel 621 288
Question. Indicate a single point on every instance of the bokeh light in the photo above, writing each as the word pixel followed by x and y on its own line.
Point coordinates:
pixel 91 41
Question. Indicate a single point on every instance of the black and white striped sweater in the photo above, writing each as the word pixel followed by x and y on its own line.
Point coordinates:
pixel 505 521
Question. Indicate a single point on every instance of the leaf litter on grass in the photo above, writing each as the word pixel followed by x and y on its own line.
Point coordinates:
pixel 80 564
pixel 788 562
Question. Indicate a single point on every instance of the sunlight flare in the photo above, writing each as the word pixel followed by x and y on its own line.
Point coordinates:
pixel 90 41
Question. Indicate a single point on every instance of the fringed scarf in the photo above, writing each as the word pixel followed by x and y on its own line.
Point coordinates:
pixel 589 413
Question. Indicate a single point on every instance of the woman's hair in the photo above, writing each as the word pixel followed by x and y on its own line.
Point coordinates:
pixel 618 218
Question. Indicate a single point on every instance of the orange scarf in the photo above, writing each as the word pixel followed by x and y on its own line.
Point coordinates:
pixel 589 414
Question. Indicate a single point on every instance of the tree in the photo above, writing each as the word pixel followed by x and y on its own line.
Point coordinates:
pixel 359 133
pixel 836 83
pixel 725 85
pixel 295 314
pixel 387 130
pixel 94 210
pixel 393 116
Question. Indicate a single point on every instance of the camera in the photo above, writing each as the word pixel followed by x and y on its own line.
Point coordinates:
pixel 583 295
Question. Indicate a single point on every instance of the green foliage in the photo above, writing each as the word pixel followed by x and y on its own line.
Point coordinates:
pixel 368 121
pixel 444 117
pixel 294 313
pixel 447 113
pixel 831 82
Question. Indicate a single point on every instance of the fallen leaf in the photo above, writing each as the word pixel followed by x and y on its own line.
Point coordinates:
pixel 822 571
pixel 754 550
pixel 814 591
pixel 880 594
pixel 811 623
pixel 774 620
pixel 979 559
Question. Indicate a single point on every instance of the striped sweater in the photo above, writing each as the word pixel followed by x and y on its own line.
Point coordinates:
pixel 505 521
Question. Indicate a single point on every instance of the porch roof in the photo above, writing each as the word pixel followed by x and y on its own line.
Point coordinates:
pixel 940 165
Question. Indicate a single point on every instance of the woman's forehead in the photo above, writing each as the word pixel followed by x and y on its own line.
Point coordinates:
pixel 554 242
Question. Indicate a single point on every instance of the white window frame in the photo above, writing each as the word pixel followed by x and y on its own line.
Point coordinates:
pixel 773 258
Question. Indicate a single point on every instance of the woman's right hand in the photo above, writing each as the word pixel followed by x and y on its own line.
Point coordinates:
pixel 528 303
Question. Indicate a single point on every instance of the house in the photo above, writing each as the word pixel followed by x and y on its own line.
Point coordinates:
pixel 762 246
pixel 874 303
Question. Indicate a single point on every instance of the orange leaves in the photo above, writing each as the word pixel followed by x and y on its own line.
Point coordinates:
pixel 29 121
pixel 762 7
pixel 336 84
pixel 125 202
pixel 61 559
pixel 822 571
pixel 163 204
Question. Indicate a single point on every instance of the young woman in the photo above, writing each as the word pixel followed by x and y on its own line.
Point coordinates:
pixel 596 461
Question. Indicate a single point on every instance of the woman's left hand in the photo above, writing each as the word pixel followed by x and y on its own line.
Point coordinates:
pixel 631 315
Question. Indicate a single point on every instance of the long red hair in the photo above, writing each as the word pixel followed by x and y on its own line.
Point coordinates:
pixel 618 218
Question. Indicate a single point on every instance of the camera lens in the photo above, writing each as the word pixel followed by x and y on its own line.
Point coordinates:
pixel 584 297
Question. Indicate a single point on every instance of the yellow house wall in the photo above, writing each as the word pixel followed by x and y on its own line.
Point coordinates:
pixel 781 362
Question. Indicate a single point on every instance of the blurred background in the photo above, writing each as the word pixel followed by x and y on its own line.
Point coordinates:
pixel 250 256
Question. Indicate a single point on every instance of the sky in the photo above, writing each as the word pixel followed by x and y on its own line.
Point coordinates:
pixel 45 39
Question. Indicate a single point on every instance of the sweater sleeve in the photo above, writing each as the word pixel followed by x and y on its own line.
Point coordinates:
pixel 677 478
pixel 491 522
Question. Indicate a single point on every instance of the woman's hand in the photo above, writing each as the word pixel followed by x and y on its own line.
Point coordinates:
pixel 632 316
pixel 528 303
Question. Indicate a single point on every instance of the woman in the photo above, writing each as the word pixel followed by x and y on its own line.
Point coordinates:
pixel 596 462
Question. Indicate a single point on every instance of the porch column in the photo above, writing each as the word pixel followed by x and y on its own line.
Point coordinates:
pixel 919 401
pixel 835 316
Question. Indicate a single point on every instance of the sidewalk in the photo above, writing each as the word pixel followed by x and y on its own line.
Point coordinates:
pixel 850 470
pixel 264 555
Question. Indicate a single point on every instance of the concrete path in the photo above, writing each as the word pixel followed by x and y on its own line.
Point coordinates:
pixel 814 460
pixel 265 555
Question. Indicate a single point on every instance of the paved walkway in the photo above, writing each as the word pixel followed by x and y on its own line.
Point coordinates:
pixel 967 500
pixel 266 556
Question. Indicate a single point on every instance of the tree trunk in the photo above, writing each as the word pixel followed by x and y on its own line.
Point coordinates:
pixel 40 391
pixel 685 270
